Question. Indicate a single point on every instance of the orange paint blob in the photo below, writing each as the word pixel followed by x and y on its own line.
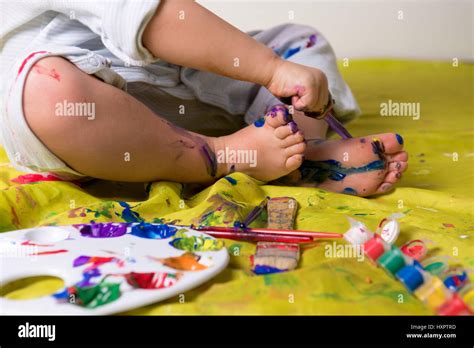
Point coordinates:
pixel 186 262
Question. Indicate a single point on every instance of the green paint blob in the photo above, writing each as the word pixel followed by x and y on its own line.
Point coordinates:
pixel 97 295
pixel 196 243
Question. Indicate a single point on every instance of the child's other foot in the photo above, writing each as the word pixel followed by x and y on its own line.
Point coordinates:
pixel 359 166
pixel 269 149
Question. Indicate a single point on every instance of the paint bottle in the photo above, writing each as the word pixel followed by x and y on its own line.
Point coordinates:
pixel 375 247
pixel 412 276
pixel 436 265
pixel 392 260
pixel 433 292
pixel 454 306
pixel 455 279
pixel 358 233
pixel 466 293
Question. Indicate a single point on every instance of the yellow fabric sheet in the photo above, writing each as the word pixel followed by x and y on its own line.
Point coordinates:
pixel 435 194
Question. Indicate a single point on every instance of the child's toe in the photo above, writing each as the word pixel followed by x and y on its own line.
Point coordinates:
pixel 292 139
pixel 294 162
pixel 277 116
pixel 390 141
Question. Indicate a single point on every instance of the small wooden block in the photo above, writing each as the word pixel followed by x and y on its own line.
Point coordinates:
pixel 283 256
pixel 282 213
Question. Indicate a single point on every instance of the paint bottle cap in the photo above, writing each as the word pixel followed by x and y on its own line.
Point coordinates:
pixel 389 230
pixel 436 265
pixel 415 249
pixel 358 233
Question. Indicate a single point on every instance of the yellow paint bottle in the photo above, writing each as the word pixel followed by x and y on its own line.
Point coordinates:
pixel 433 293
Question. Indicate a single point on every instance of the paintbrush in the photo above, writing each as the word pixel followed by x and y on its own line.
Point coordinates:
pixel 255 213
pixel 270 231
pixel 332 122
pixel 256 237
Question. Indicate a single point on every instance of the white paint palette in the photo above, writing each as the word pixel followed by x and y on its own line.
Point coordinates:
pixel 165 270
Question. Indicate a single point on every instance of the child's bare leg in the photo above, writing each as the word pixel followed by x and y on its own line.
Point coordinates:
pixel 126 141
pixel 360 166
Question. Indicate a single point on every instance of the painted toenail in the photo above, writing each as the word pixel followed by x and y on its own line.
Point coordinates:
pixel 398 175
pixel 349 191
pixel 293 126
pixel 399 139
pixel 398 165
pixel 259 123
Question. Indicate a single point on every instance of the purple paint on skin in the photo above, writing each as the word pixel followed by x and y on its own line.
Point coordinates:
pixel 286 113
pixel 362 140
pixel 293 126
pixel 210 158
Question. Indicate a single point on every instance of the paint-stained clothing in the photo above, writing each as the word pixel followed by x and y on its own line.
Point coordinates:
pixel 104 38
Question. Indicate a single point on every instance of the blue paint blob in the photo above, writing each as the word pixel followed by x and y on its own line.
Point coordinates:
pixel 259 123
pixel 350 191
pixel 399 139
pixel 153 231
pixel 128 214
pixel 231 180
pixel 262 269
pixel 291 51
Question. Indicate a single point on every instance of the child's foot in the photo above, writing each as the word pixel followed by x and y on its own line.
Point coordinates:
pixel 358 166
pixel 266 150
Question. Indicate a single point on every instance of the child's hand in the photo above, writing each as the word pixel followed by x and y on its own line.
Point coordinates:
pixel 307 86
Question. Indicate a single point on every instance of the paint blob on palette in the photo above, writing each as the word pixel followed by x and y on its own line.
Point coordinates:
pixel 107 267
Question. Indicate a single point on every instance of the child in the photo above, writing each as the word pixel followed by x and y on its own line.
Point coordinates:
pixel 100 88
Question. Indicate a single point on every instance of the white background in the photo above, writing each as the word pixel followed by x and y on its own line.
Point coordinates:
pixel 430 29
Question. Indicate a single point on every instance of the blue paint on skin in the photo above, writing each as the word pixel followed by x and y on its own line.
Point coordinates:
pixel 259 123
pixel 349 191
pixel 319 171
pixel 399 139
pixel 231 180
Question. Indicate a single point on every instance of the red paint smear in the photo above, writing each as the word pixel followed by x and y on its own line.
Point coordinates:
pixel 448 225
pixel 49 252
pixel 45 71
pixel 27 59
pixel 27 242
pixel 32 178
